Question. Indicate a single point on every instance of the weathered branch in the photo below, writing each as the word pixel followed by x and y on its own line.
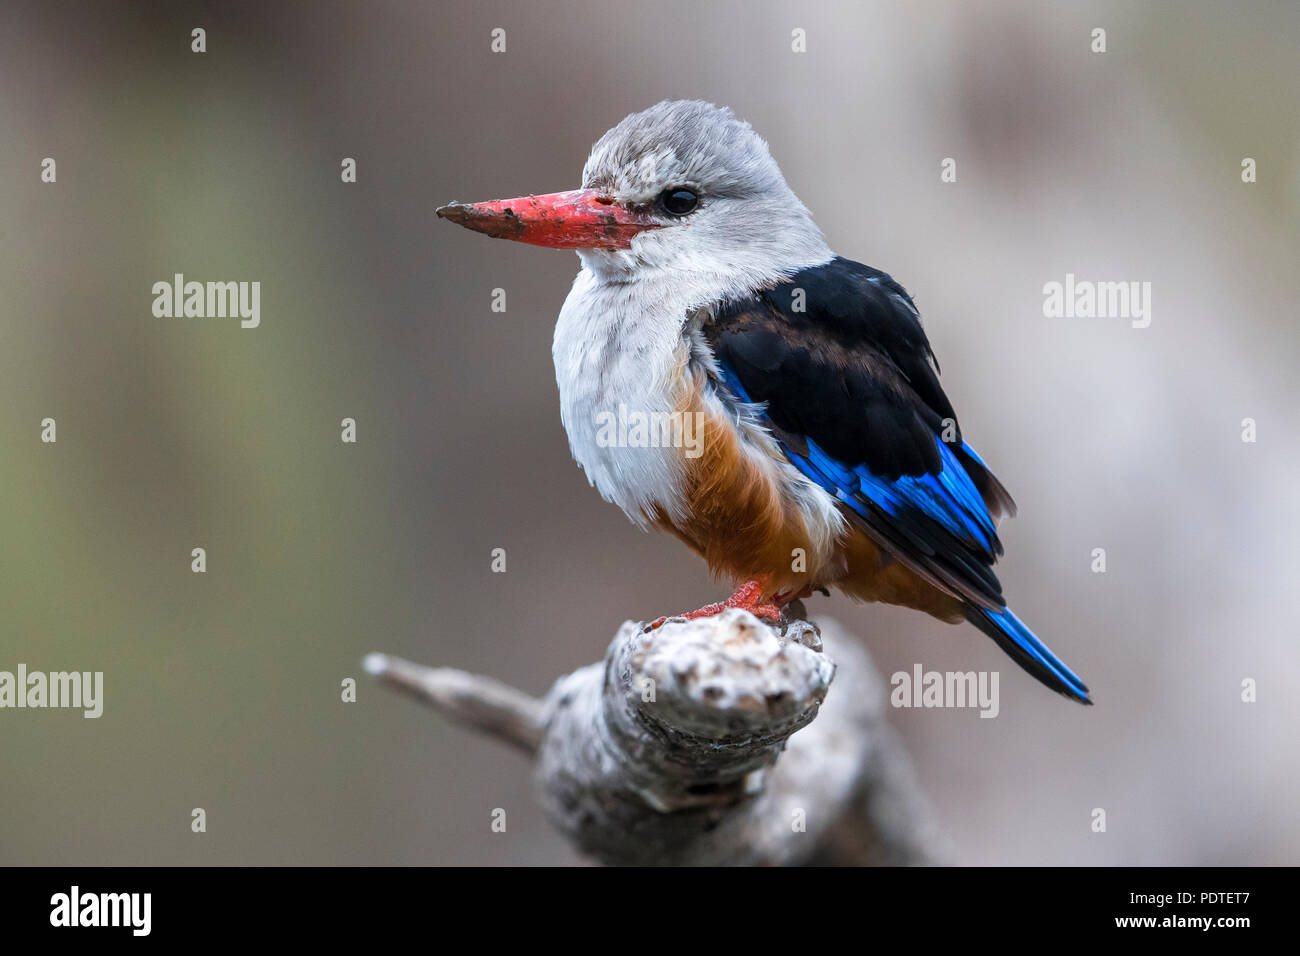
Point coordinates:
pixel 479 702
pixel 667 751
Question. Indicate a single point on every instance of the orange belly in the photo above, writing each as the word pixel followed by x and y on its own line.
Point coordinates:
pixel 742 519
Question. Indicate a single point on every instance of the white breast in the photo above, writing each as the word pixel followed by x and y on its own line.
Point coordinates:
pixel 619 351
pixel 622 347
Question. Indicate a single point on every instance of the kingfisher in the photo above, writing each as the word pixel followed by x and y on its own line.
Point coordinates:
pixel 827 454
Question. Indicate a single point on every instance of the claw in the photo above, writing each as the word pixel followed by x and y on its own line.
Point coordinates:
pixel 748 597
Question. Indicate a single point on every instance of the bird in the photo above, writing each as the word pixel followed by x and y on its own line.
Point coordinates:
pixel 827 453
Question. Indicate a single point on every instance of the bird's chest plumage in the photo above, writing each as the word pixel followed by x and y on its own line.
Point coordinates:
pixel 656 437
pixel 623 370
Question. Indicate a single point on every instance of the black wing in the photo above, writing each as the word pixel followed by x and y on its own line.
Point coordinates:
pixel 851 388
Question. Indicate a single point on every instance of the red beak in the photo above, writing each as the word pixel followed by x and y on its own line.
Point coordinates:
pixel 580 219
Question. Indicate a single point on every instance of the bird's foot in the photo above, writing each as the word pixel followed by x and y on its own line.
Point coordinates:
pixel 748 597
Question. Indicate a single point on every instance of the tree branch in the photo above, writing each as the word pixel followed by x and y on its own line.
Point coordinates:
pixel 666 753
pixel 479 702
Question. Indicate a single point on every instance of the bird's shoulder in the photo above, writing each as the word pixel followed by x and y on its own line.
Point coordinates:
pixel 838 354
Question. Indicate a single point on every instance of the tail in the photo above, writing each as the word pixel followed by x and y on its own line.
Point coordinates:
pixel 1028 651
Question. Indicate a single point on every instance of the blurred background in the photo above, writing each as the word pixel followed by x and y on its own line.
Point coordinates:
pixel 222 690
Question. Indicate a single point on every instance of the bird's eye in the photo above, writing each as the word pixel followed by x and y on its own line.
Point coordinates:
pixel 679 201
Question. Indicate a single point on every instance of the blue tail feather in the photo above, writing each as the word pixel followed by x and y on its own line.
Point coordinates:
pixel 1029 652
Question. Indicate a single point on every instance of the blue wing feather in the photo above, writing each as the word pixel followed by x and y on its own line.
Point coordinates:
pixel 949 498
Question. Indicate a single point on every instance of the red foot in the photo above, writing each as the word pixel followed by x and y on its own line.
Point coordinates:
pixel 748 596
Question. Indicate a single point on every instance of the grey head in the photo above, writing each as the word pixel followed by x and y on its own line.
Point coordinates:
pixel 724 212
